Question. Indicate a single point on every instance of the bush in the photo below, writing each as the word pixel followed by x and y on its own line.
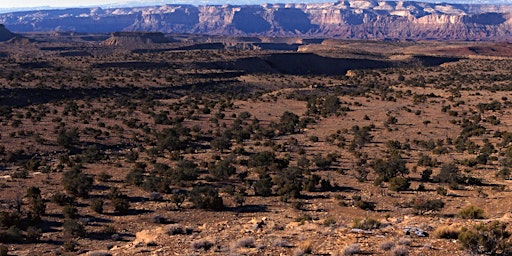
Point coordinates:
pixel 487 238
pixel 441 191
pixel 175 229
pixel 70 246
pixel 386 246
pixel 246 242
pixel 36 203
pixel 206 197
pixel 11 235
pixel 33 234
pixel 121 204
pixel 97 205
pixel 389 168
pixel 4 251
pixel 70 212
pixel 449 173
pixel 400 251
pixel 366 224
pixel 104 176
pixel 446 232
pixel 62 199
pixel 77 183
pixel 221 170
pixel 471 212
pixel 399 184
pixel 68 138
pixel 73 228
pixel 263 186
pixel 202 244
pixel 9 219
pixel 423 205
pixel 289 182
pixel 352 249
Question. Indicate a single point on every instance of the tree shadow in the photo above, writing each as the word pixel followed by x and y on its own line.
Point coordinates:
pixel 248 208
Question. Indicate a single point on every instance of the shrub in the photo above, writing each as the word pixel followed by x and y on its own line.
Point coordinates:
pixel 178 199
pixel 221 170
pixel 70 246
pixel 97 205
pixel 289 182
pixel 36 203
pixel 77 183
pixel 175 229
pixel 423 205
pixel 73 228
pixel 389 168
pixel 471 212
pixel 206 197
pixel 202 244
pixel 364 205
pixel 399 184
pixel 104 176
pixel 352 249
pixel 68 138
pixel 366 224
pixel 246 242
pixel 446 232
pixel 11 235
pixel 33 234
pixel 108 230
pixel 70 212
pixel 9 219
pixel 4 251
pixel 263 186
pixel 62 199
pixel 426 174
pixel 449 173
pixel 487 238
pixel 386 246
pixel 441 191
pixel 400 251
pixel 121 204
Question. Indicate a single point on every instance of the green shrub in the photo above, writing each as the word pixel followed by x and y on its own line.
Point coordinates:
pixel 441 191
pixel 33 234
pixel 70 212
pixel 62 199
pixel 206 197
pixel 4 251
pixel 399 184
pixel 366 224
pixel 73 228
pixel 471 212
pixel 77 183
pixel 11 235
pixel 97 205
pixel 423 205
pixel 263 186
pixel 487 238
pixel 9 219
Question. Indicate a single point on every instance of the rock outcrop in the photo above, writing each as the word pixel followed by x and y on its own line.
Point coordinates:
pixel 344 19
pixel 135 39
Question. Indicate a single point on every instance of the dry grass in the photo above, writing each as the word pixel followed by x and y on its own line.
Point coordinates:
pixel 446 232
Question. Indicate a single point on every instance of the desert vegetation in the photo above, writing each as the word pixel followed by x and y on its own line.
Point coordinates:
pixel 124 151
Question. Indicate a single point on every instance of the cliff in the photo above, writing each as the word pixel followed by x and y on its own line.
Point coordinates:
pixel 344 19
pixel 5 34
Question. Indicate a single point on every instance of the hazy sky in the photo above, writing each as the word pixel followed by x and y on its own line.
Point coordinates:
pixel 81 3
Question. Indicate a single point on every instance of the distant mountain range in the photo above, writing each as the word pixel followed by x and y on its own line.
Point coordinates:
pixel 365 19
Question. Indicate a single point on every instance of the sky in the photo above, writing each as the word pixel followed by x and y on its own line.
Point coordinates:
pixel 14 4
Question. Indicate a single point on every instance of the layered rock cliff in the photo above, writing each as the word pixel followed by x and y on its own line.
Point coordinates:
pixel 344 19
